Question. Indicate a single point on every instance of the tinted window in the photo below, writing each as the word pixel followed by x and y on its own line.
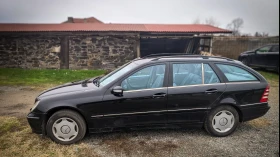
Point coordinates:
pixel 209 75
pixel 150 77
pixel 264 49
pixel 234 73
pixel 275 49
pixel 187 74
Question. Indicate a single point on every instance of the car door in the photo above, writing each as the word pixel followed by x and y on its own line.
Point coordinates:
pixel 143 101
pixel 259 58
pixel 193 87
pixel 272 57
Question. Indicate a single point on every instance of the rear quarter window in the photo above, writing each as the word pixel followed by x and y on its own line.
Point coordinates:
pixel 236 74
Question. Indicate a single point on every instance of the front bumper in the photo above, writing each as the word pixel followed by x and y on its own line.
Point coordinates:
pixel 253 111
pixel 37 122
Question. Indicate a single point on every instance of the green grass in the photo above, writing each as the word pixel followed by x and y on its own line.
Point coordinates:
pixel 271 77
pixel 43 77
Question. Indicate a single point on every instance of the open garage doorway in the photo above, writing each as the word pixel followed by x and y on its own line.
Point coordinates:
pixel 154 45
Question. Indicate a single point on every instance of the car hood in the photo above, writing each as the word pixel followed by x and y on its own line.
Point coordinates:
pixel 246 52
pixel 69 88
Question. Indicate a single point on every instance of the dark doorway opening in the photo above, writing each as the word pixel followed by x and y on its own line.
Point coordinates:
pixel 155 45
pixel 162 45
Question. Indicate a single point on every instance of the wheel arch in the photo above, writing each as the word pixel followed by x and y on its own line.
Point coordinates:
pixel 230 102
pixel 59 108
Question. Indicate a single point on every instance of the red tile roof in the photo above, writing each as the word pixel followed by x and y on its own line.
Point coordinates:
pixel 170 28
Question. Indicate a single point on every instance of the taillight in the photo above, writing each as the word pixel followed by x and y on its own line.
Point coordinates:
pixel 265 95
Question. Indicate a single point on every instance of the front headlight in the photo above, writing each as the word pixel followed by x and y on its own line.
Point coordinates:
pixel 35 105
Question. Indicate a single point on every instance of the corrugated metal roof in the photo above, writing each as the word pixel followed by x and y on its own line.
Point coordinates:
pixel 174 28
pixel 183 28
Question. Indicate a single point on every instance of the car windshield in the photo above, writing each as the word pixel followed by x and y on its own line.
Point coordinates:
pixel 116 73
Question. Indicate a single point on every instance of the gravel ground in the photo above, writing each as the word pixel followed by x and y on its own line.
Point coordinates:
pixel 259 137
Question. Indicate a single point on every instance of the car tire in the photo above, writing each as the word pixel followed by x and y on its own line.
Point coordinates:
pixel 245 61
pixel 222 121
pixel 66 127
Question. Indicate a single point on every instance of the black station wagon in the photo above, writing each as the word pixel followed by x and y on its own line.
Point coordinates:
pixel 158 91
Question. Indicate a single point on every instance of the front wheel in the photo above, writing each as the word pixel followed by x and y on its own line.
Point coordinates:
pixel 222 121
pixel 66 127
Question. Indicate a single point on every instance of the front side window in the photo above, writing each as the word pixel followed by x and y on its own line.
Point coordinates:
pixel 187 74
pixel 150 77
pixel 210 76
pixel 264 49
pixel 234 73
pixel 117 73
pixel 275 49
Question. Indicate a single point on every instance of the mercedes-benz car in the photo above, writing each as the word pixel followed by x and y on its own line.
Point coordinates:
pixel 156 91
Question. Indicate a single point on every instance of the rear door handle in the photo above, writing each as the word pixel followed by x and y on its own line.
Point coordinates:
pixel 211 91
pixel 159 95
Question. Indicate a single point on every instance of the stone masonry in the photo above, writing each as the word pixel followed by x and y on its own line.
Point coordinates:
pixel 29 51
pixel 86 51
pixel 101 51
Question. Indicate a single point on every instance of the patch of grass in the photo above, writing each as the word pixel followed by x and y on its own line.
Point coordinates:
pixel 271 77
pixel 8 124
pixel 43 77
pixel 22 142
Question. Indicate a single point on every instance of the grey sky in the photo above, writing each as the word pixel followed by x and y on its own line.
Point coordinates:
pixel 258 15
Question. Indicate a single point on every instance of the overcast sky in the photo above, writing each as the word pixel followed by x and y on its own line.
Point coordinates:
pixel 258 15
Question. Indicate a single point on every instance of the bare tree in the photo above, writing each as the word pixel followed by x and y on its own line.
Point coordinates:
pixel 263 34
pixel 196 21
pixel 212 21
pixel 235 26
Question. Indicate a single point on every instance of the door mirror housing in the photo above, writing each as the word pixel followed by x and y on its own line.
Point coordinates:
pixel 117 91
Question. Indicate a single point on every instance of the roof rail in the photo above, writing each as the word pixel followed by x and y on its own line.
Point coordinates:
pixel 164 54
pixel 167 55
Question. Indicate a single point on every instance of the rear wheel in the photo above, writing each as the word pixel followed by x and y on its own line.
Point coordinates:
pixel 66 127
pixel 222 121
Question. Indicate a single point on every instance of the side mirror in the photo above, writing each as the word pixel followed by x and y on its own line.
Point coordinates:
pixel 117 91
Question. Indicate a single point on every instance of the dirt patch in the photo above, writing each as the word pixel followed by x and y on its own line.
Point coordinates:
pixel 259 123
pixel 123 146
pixel 16 102
pixel 16 106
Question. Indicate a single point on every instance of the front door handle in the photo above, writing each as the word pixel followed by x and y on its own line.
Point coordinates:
pixel 211 91
pixel 159 95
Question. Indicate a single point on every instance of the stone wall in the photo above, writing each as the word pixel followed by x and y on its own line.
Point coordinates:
pixel 29 51
pixel 103 51
pixel 231 47
pixel 86 50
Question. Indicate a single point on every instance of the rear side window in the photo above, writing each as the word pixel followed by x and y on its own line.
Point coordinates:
pixel 234 73
pixel 187 74
pixel 209 75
